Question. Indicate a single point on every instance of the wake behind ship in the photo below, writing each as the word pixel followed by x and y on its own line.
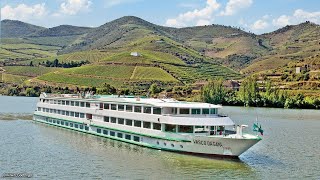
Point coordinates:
pixel 164 124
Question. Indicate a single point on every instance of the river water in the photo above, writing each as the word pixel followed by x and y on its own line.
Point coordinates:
pixel 290 149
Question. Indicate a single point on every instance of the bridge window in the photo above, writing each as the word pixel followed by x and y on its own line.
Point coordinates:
pixel 106 118
pixel 128 108
pixel 82 104
pixel 77 103
pixel 184 111
pixel 170 128
pixel 205 111
pixel 137 109
pixel 157 126
pixel 105 106
pixel 120 121
pixel 87 104
pixel 156 110
pixel 72 103
pixel 147 110
pixel 113 120
pixel 185 129
pixel 213 111
pixel 128 122
pixel 147 125
pixel 113 107
pixel 196 111
pixel 137 123
pixel 120 107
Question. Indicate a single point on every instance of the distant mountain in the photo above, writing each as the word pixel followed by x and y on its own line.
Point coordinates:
pixel 230 46
pixel 62 30
pixel 15 29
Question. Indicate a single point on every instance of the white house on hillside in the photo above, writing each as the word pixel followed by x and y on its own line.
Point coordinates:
pixel 136 54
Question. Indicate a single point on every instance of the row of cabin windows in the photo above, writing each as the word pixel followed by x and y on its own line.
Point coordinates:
pixel 131 108
pixel 130 122
pixel 195 111
pixel 67 103
pixel 82 126
pixel 62 112
pixel 67 123
pixel 118 134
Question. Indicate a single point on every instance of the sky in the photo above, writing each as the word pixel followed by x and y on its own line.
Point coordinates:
pixel 258 16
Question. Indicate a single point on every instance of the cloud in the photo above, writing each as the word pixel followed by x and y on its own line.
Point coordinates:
pixel 260 25
pixel 73 7
pixel 233 6
pixel 111 3
pixel 202 22
pixel 201 16
pixel 297 17
pixel 24 12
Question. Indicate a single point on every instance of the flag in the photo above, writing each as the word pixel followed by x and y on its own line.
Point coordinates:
pixel 257 128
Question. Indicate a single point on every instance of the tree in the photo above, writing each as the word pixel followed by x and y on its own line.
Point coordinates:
pixel 214 92
pixel 154 89
pixel 31 63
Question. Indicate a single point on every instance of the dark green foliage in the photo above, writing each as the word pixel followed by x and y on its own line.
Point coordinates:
pixel 214 92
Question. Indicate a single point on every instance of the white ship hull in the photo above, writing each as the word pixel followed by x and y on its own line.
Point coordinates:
pixel 227 145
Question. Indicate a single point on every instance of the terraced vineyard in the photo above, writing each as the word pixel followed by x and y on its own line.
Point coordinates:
pixel 28 70
pixel 10 78
pixel 151 73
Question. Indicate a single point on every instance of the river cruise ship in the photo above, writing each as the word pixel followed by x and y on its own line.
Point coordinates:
pixel 164 124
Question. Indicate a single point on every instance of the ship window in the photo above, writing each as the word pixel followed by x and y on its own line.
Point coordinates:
pixel 47 110
pixel 147 110
pixel 63 102
pixel 199 129
pixel 81 126
pixel 136 138
pixel 196 111
pixel 86 128
pixel 113 107
pixel 77 103
pixel 185 129
pixel 120 107
pixel 157 126
pixel 137 123
pixel 120 135
pixel 51 110
pixel 67 124
pixel 67 103
pixel 105 106
pixel 105 132
pixel 172 145
pixel 129 108
pixel 184 111
pixel 81 115
pixel 76 114
pixel 72 103
pixel 72 114
pixel 82 104
pixel 120 121
pixel 58 111
pixel 213 111
pixel 147 125
pixel 137 109
pixel 58 122
pixel 98 130
pixel 113 120
pixel 129 122
pixel 71 124
pixel 128 137
pixel 112 133
pixel 54 121
pixel 76 125
pixel 87 104
pixel 67 113
pixel 55 102
pixel 205 111
pixel 170 128
pixel 63 112
pixel 59 102
pixel 62 123
pixel 39 109
pixel 106 118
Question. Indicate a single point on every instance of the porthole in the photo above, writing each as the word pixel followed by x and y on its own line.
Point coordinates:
pixel 165 144
pixel 172 145
pixel 158 142
pixel 181 146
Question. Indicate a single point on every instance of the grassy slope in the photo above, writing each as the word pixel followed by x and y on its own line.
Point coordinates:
pixel 29 71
